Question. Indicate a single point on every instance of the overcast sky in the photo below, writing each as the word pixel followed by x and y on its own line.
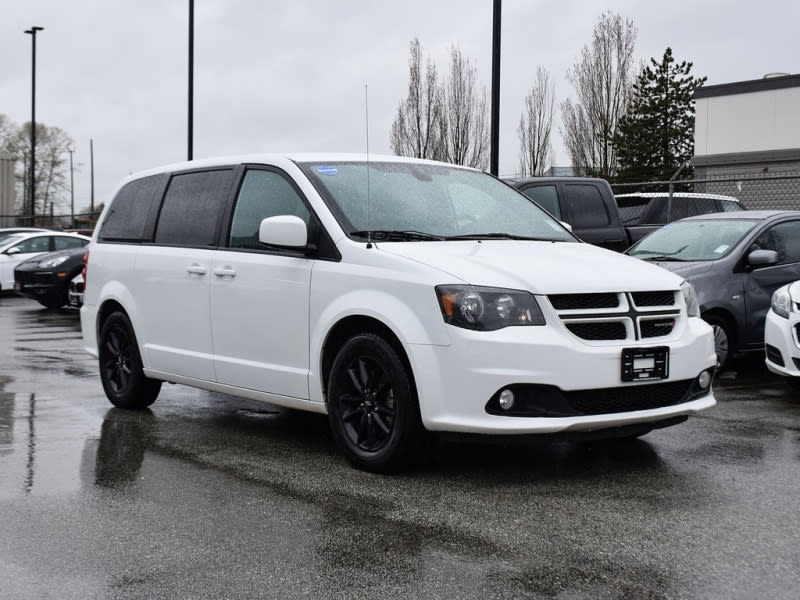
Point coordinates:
pixel 290 76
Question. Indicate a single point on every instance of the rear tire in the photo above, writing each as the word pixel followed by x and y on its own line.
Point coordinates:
pixel 372 406
pixel 124 381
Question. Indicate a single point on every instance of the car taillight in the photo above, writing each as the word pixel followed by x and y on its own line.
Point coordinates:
pixel 85 264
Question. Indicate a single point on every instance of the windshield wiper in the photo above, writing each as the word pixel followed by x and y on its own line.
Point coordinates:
pixel 498 236
pixel 662 256
pixel 395 235
pixel 665 258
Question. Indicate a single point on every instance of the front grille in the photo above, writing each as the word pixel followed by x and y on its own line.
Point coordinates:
pixel 33 278
pixel 583 301
pixel 600 330
pixel 797 330
pixel 665 298
pixel 796 362
pixel 651 328
pixel 774 355
pixel 624 399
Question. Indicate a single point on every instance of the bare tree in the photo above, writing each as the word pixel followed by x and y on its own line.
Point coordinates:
pixel 52 171
pixel 465 133
pixel 535 125
pixel 603 81
pixel 416 131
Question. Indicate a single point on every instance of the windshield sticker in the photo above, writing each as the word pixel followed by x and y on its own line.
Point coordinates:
pixel 721 249
pixel 328 170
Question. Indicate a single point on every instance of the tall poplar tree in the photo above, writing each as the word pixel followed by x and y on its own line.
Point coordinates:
pixel 655 137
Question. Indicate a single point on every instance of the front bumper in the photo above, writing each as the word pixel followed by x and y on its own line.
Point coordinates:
pixel 456 382
pixel 782 344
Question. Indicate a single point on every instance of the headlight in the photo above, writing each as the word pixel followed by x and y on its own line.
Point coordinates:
pixel 487 308
pixel 692 305
pixel 50 263
pixel 782 302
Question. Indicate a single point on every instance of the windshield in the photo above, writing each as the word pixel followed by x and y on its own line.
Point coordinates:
pixel 416 201
pixel 693 240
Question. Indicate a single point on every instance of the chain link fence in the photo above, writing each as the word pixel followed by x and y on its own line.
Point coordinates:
pixel 85 220
pixel 756 191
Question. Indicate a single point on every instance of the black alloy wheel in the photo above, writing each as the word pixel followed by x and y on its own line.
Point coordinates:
pixel 372 405
pixel 124 381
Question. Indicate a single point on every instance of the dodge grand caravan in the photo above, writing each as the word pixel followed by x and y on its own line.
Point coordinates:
pixel 400 297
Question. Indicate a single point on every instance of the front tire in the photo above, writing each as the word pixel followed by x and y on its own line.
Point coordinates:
pixel 124 381
pixel 372 405
pixel 724 342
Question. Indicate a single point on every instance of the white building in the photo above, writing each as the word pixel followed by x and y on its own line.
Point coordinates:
pixel 748 127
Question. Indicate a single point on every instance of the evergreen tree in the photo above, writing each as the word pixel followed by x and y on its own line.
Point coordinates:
pixel 655 137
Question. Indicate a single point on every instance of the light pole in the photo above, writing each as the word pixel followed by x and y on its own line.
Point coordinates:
pixel 32 32
pixel 190 124
pixel 71 189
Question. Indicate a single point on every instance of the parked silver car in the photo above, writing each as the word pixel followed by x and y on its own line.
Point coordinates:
pixel 735 261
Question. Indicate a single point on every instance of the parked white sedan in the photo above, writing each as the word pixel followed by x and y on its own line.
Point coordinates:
pixel 21 246
pixel 782 332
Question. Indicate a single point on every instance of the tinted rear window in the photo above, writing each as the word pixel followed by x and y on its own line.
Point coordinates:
pixel 131 211
pixel 193 208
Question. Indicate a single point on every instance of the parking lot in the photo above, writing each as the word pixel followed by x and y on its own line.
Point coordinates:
pixel 208 496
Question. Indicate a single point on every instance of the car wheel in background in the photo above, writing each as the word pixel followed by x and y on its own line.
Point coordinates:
pixel 372 405
pixel 724 342
pixel 124 381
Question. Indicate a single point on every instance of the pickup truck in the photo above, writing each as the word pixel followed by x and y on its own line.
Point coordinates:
pixel 596 216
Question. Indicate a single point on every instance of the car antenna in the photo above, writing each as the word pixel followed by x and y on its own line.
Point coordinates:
pixel 369 208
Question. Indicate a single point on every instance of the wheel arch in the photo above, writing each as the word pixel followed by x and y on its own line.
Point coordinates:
pixel 352 325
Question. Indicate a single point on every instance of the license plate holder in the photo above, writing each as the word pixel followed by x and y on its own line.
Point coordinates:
pixel 645 364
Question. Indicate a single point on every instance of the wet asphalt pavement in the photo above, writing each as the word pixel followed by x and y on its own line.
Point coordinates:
pixel 208 496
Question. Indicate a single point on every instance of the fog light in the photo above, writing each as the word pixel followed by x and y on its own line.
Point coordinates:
pixel 704 380
pixel 506 399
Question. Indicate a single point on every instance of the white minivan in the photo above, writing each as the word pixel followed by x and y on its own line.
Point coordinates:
pixel 401 297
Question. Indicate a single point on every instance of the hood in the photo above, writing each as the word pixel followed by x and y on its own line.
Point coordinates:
pixel 33 263
pixel 540 267
pixel 686 270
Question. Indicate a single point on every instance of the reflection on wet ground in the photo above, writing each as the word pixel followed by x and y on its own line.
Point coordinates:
pixel 210 496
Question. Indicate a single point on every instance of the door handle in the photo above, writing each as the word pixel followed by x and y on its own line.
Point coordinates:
pixel 196 269
pixel 224 272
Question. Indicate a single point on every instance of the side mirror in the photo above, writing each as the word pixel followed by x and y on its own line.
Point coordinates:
pixel 13 250
pixel 286 231
pixel 762 258
pixel 566 226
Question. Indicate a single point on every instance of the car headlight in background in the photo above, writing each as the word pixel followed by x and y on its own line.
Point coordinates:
pixel 692 305
pixel 487 308
pixel 51 263
pixel 782 302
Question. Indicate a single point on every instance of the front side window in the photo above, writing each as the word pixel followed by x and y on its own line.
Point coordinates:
pixel 193 208
pixel 423 199
pixel 586 206
pixel 63 242
pixel 263 194
pixel 545 196
pixel 37 244
pixel 783 238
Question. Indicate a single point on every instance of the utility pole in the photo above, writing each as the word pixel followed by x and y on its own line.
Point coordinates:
pixel 91 175
pixel 494 151
pixel 32 32
pixel 71 189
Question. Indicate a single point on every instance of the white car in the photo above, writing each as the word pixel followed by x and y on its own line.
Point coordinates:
pixel 399 296
pixel 782 332
pixel 19 247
